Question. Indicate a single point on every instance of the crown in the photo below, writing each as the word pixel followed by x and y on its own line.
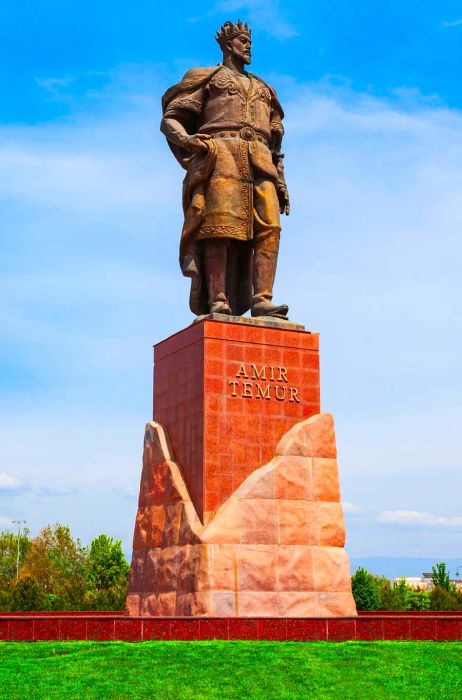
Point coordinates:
pixel 229 30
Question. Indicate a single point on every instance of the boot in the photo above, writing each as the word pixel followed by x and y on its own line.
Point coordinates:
pixel 214 262
pixel 264 270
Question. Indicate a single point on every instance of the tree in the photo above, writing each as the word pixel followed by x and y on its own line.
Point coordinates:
pixel 443 595
pixel 28 594
pixel 8 560
pixel 58 573
pixel 366 590
pixel 440 578
pixel 59 563
pixel 394 596
pixel 107 574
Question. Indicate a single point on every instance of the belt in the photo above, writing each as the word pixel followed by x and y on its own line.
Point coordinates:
pixel 247 133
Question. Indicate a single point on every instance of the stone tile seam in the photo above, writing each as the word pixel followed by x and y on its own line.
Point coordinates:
pixel 165 355
pixel 265 343
pixel 174 352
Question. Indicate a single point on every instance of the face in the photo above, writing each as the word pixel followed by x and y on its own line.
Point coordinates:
pixel 240 47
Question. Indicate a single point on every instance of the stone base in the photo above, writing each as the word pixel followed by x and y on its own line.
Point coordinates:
pixel 264 321
pixel 226 390
pixel 273 549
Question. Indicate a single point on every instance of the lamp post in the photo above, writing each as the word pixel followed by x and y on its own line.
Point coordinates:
pixel 19 523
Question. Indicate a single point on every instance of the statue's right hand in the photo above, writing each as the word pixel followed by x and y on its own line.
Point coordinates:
pixel 196 143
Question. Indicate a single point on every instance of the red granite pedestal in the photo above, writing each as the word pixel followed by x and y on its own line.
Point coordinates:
pixel 226 393
pixel 239 512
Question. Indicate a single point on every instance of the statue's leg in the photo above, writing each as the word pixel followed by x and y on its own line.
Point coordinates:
pixel 215 255
pixel 266 247
pixel 232 273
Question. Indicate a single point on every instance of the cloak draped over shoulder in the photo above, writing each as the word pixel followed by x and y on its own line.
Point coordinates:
pixel 244 120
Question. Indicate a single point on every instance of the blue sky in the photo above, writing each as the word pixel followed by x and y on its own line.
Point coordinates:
pixel 89 225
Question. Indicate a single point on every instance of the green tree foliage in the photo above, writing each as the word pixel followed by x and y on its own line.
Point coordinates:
pixel 58 573
pixel 418 599
pixel 9 552
pixel 107 574
pixel 8 558
pixel 27 594
pixel 440 578
pixel 442 599
pixel 394 596
pixel 378 593
pixel 444 595
pixel 399 596
pixel 366 590
pixel 60 564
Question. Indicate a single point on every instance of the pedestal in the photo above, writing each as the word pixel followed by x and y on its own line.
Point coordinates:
pixel 239 513
pixel 226 391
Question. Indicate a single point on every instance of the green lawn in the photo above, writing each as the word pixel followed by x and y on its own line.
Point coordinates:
pixel 223 670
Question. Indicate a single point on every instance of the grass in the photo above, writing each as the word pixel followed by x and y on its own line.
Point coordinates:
pixel 196 670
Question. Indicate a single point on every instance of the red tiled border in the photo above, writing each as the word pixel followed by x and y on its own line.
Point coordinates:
pixel 65 613
pixel 99 627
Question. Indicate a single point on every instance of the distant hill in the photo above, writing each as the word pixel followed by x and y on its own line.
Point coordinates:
pixel 393 567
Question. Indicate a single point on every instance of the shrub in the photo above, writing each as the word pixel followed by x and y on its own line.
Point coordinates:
pixel 418 599
pixel 442 599
pixel 394 596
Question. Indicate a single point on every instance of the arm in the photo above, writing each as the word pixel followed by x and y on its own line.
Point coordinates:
pixel 277 132
pixel 283 192
pixel 175 132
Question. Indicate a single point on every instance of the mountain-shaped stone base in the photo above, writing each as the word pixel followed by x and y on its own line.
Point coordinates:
pixel 275 548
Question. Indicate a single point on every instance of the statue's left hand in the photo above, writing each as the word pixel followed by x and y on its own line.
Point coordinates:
pixel 197 143
pixel 284 203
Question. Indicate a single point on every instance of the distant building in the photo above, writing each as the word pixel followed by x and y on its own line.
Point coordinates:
pixel 424 582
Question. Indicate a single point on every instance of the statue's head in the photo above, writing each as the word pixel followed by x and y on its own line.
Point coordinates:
pixel 235 40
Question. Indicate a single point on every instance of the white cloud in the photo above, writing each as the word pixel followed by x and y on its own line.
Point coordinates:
pixel 415 518
pixel 10 483
pixel 370 257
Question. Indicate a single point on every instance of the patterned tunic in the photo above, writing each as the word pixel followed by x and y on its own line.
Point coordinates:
pixel 243 163
pixel 245 120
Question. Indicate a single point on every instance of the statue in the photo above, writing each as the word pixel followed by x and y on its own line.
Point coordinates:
pixel 224 126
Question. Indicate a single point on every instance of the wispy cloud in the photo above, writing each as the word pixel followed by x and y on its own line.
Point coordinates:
pixel 453 23
pixel 92 215
pixel 415 518
pixel 6 522
pixel 55 85
pixel 47 492
pixel 9 482
pixel 128 491
pixel 11 485
pixel 264 14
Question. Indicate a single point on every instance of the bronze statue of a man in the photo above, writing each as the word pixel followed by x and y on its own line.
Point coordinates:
pixel 224 126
